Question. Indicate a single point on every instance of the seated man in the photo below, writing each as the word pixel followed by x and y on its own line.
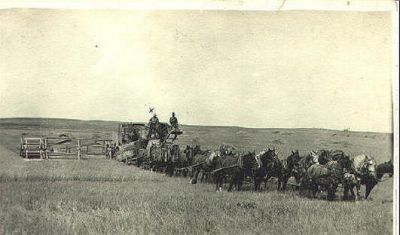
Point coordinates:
pixel 174 121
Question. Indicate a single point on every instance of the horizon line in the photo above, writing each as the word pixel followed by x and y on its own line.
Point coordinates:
pixel 208 125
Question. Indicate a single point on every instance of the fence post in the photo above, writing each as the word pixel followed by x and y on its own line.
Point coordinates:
pixel 40 148
pixel 45 148
pixel 79 150
pixel 22 146
pixel 26 148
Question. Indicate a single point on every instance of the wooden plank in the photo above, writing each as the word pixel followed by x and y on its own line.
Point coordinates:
pixel 33 138
pixel 196 165
pixel 61 154
pixel 224 168
pixel 61 142
pixel 57 138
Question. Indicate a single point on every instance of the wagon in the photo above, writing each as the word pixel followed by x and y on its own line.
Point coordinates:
pixel 138 147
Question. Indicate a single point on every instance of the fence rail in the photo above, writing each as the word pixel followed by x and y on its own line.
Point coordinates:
pixel 45 147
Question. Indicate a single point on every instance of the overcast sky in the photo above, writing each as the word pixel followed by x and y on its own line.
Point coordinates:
pixel 253 69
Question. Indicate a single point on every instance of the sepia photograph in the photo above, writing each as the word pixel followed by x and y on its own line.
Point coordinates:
pixel 220 118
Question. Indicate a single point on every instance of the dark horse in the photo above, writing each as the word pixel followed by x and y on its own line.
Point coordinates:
pixel 384 168
pixel 269 165
pixel 235 173
pixel 293 165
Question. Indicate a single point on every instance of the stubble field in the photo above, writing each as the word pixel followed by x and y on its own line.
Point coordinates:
pixel 95 195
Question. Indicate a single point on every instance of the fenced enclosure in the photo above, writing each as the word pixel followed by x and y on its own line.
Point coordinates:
pixel 63 146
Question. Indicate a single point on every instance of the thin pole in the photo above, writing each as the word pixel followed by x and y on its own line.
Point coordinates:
pixel 45 149
pixel 22 146
pixel 26 148
pixel 40 148
pixel 79 150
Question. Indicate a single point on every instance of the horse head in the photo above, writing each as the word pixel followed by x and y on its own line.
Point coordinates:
pixel 314 156
pixel 214 157
pixel 294 156
pixel 187 149
pixel 293 160
pixel 258 158
pixel 370 166
pixel 271 152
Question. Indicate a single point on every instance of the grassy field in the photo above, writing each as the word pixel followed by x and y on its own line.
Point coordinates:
pixel 95 195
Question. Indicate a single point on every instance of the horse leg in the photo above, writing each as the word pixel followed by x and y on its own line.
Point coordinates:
pixel 332 192
pixel 256 183
pixel 194 178
pixel 314 190
pixel 300 181
pixel 173 169
pixel 234 180
pixel 216 182
pixel 168 170
pixel 346 189
pixel 358 188
pixel 352 193
pixel 284 182
pixel 238 177
pixel 368 188
pixel 231 183
pixel 219 180
pixel 239 184
pixel 265 181
pixel 202 176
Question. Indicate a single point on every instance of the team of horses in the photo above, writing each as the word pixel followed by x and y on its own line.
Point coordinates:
pixel 316 171
pixel 322 170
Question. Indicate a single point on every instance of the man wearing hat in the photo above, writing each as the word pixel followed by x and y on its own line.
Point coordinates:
pixel 153 124
pixel 174 121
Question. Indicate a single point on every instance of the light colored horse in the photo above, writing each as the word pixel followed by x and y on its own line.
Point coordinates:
pixel 364 167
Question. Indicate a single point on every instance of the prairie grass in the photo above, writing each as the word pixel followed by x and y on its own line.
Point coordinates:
pixel 99 196
pixel 153 203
